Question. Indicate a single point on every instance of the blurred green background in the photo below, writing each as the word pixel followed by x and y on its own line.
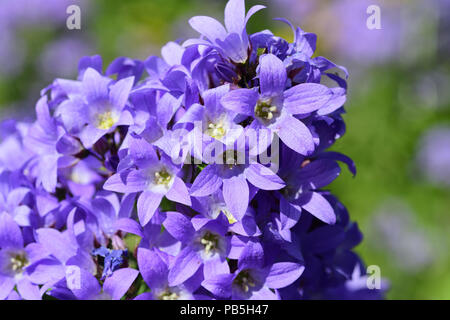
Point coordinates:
pixel 398 96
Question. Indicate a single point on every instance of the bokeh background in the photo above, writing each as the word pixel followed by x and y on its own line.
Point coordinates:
pixel 398 111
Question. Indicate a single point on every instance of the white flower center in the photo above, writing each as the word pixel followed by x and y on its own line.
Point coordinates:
pixel 266 111
pixel 162 177
pixel 106 120
pixel 17 262
pixel 168 294
pixel 216 130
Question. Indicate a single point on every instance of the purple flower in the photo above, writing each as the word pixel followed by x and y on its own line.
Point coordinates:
pixel 217 123
pixel 154 267
pixel 59 253
pixel 253 279
pixel 98 108
pixel 233 41
pixel 114 287
pixel 213 205
pixel 155 175
pixel 273 107
pixel 53 147
pixel 15 201
pixel 204 244
pixel 125 67
pixel 14 260
pixel 108 210
pixel 234 176
pixel 302 188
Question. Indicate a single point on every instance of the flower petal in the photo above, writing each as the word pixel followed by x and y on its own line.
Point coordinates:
pixel 184 266
pixel 119 92
pixel 130 226
pixel 207 182
pixel 89 135
pixel 57 243
pixel 48 171
pixel 153 269
pixel 179 226
pixel 235 16
pixel 252 11
pixel 264 294
pixel 120 282
pixel 242 101
pixel 216 266
pixel 272 75
pixel 27 290
pixel 283 274
pixel 236 195
pixel 289 214
pixel 46 271
pixel 85 286
pixel 263 178
pixel 252 256
pixel 133 181
pixel 306 97
pixel 208 27
pixel 6 286
pixel 179 192
pixel 94 85
pixel 319 207
pixel 319 173
pixel 147 204
pixel 340 157
pixel 10 234
pixel 336 101
pixel 68 145
pixel 219 285
pixel 296 135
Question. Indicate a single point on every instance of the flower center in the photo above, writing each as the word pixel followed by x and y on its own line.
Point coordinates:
pixel 169 295
pixel 265 110
pixel 162 177
pixel 210 242
pixel 105 120
pixel 244 281
pixel 18 262
pixel 216 130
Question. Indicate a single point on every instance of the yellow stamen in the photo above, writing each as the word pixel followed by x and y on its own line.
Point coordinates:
pixel 162 177
pixel 265 110
pixel 105 120
pixel 18 262
pixel 216 130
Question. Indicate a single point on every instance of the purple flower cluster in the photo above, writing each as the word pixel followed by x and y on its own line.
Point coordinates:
pixel 198 175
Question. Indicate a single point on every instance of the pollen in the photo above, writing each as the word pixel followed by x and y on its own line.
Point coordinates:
pixel 230 217
pixel 216 130
pixel 105 120
pixel 169 295
pixel 210 242
pixel 162 177
pixel 18 262
pixel 266 111
pixel 244 281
